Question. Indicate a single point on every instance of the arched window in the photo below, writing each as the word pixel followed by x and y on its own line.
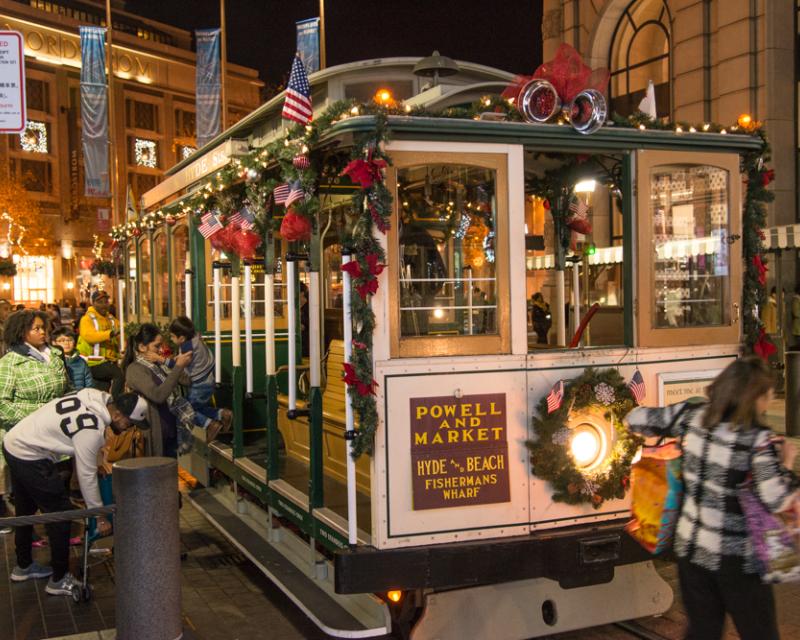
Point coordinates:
pixel 640 52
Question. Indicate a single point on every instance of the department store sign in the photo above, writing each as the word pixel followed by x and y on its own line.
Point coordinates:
pixel 459 451
pixel 60 47
pixel 12 83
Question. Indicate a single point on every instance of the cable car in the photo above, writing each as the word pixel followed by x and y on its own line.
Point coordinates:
pixel 443 529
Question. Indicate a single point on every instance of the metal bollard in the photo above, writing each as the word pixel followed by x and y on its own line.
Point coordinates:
pixel 792 393
pixel 147 550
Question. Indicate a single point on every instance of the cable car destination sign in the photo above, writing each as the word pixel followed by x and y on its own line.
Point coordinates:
pixel 459 451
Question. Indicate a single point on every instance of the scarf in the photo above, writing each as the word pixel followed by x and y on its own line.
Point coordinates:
pixel 178 405
pixel 29 351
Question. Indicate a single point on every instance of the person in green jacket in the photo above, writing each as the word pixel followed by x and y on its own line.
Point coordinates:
pixel 31 375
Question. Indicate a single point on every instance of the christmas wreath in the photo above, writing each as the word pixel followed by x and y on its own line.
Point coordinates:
pixel 596 396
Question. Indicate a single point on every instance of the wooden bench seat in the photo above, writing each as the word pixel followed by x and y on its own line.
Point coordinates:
pixel 295 432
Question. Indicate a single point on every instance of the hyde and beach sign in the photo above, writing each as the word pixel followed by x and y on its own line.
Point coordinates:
pixel 12 82
pixel 459 451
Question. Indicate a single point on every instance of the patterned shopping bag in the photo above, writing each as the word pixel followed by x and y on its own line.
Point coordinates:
pixel 773 537
pixel 656 497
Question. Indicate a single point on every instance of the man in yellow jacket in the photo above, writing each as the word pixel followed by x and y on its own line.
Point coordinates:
pixel 98 342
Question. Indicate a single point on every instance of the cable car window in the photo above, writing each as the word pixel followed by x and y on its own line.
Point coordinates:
pixel 145 306
pixel 690 246
pixel 448 250
pixel 180 256
pixel 161 276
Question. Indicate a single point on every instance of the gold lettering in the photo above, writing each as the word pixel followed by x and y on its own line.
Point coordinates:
pixel 483 435
pixel 52 46
pixel 461 422
pixel 452 436
pixel 493 411
pixel 34 41
pixel 498 432
pixel 450 410
pixel 144 69
pixel 474 422
pixel 445 425
pixel 421 438
pixel 437 439
pixel 478 411
pixel 421 411
pixel 436 411
pixel 466 409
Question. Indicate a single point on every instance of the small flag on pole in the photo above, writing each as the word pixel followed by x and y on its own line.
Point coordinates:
pixel 297 105
pixel 209 225
pixel 280 193
pixel 636 385
pixel 243 218
pixel 295 192
pixel 555 397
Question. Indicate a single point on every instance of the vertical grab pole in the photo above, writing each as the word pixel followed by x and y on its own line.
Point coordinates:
pixel 349 434
pixel 216 267
pixel 237 404
pixel 121 311
pixel 248 328
pixel 187 271
pixel 269 317
pixel 314 394
pixel 271 378
pixel 292 320
pixel 236 326
pixel 576 292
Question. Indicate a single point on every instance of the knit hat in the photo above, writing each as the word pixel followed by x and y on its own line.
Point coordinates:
pixel 133 406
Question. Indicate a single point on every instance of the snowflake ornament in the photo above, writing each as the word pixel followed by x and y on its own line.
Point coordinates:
pixel 604 393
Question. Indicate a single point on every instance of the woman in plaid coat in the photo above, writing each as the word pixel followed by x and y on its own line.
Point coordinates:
pixel 724 442
pixel 31 375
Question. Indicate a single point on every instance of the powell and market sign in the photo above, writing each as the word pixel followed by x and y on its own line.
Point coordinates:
pixel 65 48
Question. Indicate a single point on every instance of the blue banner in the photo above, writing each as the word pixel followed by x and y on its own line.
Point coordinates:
pixel 308 44
pixel 94 112
pixel 208 85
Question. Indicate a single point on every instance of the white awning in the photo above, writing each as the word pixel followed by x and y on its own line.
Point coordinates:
pixel 782 237
pixel 603 255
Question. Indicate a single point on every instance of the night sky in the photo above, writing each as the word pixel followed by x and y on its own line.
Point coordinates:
pixel 261 33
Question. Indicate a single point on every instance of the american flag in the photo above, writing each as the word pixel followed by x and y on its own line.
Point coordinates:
pixel 297 105
pixel 209 225
pixel 555 397
pixel 280 193
pixel 295 193
pixel 578 208
pixel 636 385
pixel 243 218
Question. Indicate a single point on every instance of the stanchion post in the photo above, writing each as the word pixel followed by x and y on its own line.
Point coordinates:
pixel 349 434
pixel 792 393
pixel 147 549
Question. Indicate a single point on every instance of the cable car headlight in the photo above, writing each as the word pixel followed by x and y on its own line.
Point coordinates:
pixel 588 446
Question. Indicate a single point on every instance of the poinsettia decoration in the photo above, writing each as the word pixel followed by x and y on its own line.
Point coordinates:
pixel 761 268
pixel 763 346
pixel 295 226
pixel 365 172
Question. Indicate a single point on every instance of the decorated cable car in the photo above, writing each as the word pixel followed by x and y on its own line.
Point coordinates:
pixel 430 326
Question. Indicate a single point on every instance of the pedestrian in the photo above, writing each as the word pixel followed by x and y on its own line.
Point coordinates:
pixel 80 374
pixel 201 374
pixel 74 426
pixel 769 314
pixel 724 442
pixel 542 319
pixel 98 342
pixel 305 336
pixel 168 412
pixel 30 375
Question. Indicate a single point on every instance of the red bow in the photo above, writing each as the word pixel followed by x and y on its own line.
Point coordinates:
pixel 351 379
pixel 767 176
pixel 763 347
pixel 365 172
pixel 295 226
pixel 761 268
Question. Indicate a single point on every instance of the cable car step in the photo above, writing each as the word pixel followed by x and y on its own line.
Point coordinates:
pixel 366 618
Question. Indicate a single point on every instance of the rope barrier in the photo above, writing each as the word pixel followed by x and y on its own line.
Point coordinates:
pixel 57 516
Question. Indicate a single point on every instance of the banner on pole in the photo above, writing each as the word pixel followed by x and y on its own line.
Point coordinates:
pixel 12 82
pixel 94 112
pixel 208 89
pixel 308 43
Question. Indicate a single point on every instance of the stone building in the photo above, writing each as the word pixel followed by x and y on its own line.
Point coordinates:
pixel 710 60
pixel 154 127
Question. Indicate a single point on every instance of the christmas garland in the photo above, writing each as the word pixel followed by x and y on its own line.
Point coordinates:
pixel 601 391
pixel 297 158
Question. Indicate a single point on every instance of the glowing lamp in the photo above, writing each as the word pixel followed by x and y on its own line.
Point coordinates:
pixel 586 446
pixel 70 286
pixel 590 249
pixel 394 595
pixel 745 120
pixel 438 313
pixel 6 286
pixel 384 97
pixel 586 186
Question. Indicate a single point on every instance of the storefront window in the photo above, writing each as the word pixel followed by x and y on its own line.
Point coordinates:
pixel 690 250
pixel 448 250
pixel 145 275
pixel 161 276
pixel 33 282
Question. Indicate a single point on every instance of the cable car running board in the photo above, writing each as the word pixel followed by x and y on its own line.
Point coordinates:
pixel 367 618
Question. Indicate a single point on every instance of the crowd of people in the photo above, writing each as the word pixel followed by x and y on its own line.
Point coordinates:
pixel 70 400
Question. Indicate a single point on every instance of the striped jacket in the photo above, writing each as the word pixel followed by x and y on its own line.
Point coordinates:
pixel 711 530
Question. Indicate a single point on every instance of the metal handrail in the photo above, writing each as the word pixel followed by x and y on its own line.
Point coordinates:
pixel 57 516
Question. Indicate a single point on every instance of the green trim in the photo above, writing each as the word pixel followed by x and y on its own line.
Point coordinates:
pixel 329 537
pixel 291 511
pixel 316 476
pixel 544 136
pixel 273 437
pixel 238 411
pixel 628 247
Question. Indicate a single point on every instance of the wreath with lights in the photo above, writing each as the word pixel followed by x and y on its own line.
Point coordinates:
pixel 597 395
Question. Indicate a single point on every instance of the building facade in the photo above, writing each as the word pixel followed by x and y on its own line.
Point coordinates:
pixel 153 128
pixel 710 61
